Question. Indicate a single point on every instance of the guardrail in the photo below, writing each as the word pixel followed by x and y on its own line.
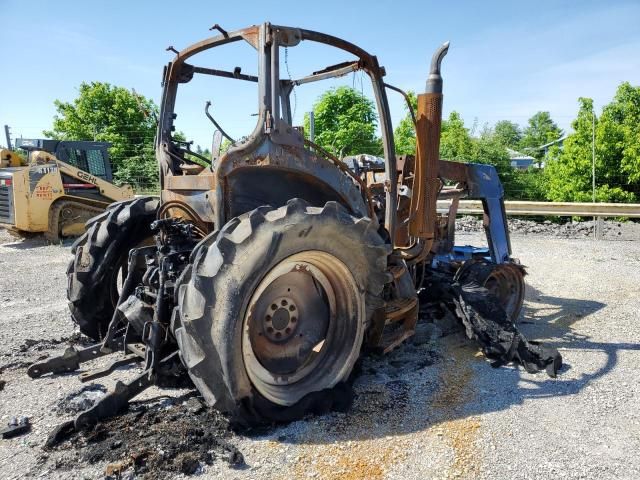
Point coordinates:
pixel 562 209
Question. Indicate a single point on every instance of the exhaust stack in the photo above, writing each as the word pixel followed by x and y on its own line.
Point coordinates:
pixel 428 127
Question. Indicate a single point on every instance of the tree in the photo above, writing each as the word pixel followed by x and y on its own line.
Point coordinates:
pixel 455 140
pixel 456 143
pixel 345 123
pixel 508 134
pixel 541 129
pixel 619 136
pixel 405 133
pixel 617 160
pixel 104 112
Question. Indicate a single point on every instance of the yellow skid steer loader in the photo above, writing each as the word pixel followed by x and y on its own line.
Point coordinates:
pixel 61 186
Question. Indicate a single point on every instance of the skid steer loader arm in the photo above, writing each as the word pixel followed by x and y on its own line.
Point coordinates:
pixel 106 189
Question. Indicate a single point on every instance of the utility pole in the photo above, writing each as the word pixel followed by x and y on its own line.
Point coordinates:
pixel 598 225
pixel 6 132
pixel 312 127
pixel 593 153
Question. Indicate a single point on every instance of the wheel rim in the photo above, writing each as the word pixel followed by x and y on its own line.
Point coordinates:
pixel 303 327
pixel 505 282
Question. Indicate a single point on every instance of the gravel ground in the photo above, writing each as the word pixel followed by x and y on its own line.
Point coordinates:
pixel 431 409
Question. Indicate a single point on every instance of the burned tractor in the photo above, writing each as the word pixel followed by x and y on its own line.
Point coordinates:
pixel 263 272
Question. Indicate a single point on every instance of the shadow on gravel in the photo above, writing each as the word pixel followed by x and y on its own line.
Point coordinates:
pixel 446 381
pixel 553 318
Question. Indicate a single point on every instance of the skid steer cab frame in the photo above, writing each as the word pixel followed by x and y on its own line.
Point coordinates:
pixel 263 271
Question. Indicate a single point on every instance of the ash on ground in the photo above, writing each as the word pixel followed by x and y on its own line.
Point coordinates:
pixel 158 439
pixel 81 400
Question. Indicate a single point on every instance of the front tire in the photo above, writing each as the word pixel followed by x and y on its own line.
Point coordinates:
pixel 273 310
pixel 505 281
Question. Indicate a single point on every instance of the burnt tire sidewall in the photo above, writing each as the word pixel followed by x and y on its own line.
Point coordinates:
pixel 98 254
pixel 225 274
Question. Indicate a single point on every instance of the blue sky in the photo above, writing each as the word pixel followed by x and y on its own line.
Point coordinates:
pixel 507 59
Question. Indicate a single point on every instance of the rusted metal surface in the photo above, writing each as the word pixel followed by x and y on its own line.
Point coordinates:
pixel 426 184
pixel 292 322
pixel 274 142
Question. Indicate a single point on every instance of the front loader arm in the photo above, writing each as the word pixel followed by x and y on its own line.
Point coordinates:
pixel 481 182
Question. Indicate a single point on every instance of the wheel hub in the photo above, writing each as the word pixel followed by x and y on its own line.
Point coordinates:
pixel 289 319
pixel 281 319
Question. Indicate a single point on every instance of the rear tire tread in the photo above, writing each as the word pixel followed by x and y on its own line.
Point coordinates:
pixel 109 236
pixel 206 277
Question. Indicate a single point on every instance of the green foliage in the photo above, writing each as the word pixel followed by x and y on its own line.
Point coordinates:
pixel 104 112
pixel 568 171
pixel 140 171
pixel 455 141
pixel 620 134
pixel 526 185
pixel 405 133
pixel 345 123
pixel 617 155
pixel 541 129
pixel 508 134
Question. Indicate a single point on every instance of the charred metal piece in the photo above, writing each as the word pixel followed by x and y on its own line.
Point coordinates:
pixel 118 399
pixel 216 124
pixel 115 401
pixel 426 184
pixel 406 99
pixel 220 29
pixel 127 289
pixel 434 82
pixel 69 361
pixel 103 372
pixel 16 426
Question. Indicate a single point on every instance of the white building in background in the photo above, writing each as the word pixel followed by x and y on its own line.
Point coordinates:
pixel 522 161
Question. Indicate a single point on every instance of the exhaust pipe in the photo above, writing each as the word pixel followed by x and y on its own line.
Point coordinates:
pixel 426 183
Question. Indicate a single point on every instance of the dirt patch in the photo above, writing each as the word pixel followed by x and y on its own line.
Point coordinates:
pixel 461 434
pixel 369 460
pixel 152 440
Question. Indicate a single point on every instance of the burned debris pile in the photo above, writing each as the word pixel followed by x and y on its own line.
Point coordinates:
pixel 156 439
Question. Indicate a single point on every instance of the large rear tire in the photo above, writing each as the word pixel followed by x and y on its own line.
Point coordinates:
pixel 99 257
pixel 274 307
